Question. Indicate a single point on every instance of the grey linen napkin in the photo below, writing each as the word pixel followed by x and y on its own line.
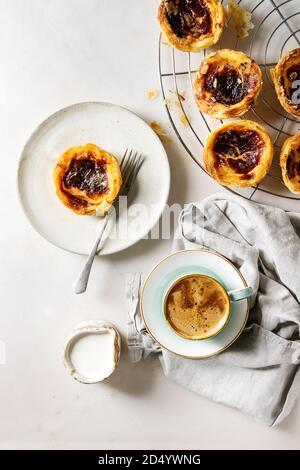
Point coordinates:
pixel 259 374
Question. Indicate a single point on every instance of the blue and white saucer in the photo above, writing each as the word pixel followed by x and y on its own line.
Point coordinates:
pixel 160 279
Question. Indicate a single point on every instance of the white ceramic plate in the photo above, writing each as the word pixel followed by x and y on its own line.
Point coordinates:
pixel 165 274
pixel 113 128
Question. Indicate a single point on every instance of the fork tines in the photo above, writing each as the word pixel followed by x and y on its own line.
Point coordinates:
pixel 130 166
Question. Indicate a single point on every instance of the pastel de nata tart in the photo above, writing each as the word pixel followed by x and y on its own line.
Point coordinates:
pixel 238 153
pixel 191 25
pixel 87 179
pixel 227 84
pixel 290 163
pixel 285 76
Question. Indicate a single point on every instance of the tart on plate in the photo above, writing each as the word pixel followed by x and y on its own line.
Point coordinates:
pixel 286 76
pixel 238 153
pixel 290 163
pixel 87 179
pixel 191 25
pixel 227 84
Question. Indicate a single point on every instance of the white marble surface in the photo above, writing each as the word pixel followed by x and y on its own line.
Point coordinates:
pixel 54 53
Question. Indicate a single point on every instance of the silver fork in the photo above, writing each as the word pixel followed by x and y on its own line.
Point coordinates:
pixel 130 166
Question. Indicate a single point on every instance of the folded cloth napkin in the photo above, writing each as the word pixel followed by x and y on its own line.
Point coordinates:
pixel 259 374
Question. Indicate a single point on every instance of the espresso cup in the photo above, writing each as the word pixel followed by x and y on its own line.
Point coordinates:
pixel 198 307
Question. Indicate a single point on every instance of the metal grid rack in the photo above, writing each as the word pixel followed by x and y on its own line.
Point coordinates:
pixel 275 33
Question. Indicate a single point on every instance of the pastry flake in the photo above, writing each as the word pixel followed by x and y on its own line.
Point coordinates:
pixel 152 95
pixel 241 19
pixel 160 132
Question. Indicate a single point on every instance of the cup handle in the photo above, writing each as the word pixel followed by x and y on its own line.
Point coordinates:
pixel 240 294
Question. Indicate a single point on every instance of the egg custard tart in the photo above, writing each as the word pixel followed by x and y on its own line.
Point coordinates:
pixel 191 25
pixel 290 163
pixel 87 179
pixel 286 76
pixel 227 84
pixel 238 153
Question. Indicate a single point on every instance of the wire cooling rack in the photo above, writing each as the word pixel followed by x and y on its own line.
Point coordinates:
pixel 276 32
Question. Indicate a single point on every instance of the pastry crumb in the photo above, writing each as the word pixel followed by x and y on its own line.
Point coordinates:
pixel 174 102
pixel 156 127
pixel 152 94
pixel 184 120
pixel 169 103
pixel 241 19
pixel 187 160
pixel 160 132
pixel 165 42
pixel 179 94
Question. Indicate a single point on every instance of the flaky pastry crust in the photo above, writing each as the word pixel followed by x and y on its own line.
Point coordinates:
pixel 227 84
pixel 191 25
pixel 290 163
pixel 286 76
pixel 238 153
pixel 87 179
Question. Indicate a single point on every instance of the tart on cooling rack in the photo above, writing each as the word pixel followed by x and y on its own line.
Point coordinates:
pixel 238 153
pixel 191 25
pixel 290 163
pixel 286 76
pixel 87 179
pixel 227 84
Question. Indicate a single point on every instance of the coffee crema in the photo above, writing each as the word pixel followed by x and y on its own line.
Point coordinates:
pixel 197 307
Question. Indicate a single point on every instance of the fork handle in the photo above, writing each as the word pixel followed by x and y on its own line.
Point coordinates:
pixel 80 284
